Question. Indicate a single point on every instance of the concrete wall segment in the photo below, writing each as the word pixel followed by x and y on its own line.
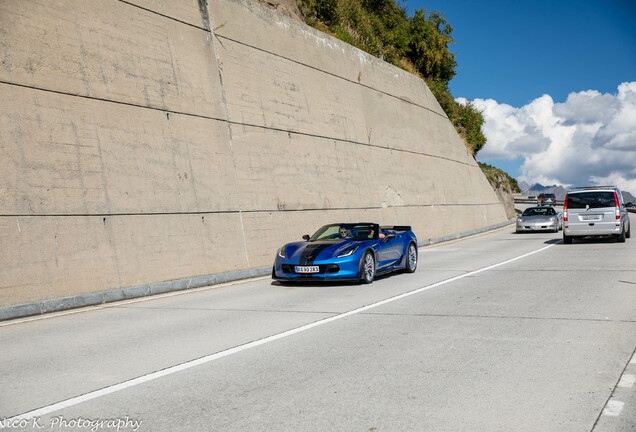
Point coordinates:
pixel 193 12
pixel 72 155
pixel 110 50
pixel 276 34
pixel 57 256
pixel 314 173
pixel 295 98
pixel 288 96
pixel 285 37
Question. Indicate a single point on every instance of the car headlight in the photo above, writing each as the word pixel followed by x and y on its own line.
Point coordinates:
pixel 348 252
pixel 282 252
pixel 553 219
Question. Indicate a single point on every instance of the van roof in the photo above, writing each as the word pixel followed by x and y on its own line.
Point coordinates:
pixel 584 188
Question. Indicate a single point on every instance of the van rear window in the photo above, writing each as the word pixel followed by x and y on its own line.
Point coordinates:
pixel 593 199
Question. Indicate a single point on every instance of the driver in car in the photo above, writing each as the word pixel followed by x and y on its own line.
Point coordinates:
pixel 343 232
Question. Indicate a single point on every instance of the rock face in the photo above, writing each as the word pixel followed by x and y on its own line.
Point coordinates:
pixel 147 142
pixel 502 188
pixel 288 8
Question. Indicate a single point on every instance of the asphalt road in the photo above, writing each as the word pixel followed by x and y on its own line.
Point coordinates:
pixel 497 332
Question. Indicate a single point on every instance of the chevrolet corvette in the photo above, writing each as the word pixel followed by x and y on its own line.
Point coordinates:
pixel 347 251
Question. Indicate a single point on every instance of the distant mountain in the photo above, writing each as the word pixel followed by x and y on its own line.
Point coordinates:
pixel 559 191
pixel 537 188
pixel 523 186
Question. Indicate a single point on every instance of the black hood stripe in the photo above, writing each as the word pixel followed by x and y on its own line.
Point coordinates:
pixel 310 254
pixel 312 251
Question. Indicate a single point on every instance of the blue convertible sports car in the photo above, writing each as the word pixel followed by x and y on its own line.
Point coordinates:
pixel 347 251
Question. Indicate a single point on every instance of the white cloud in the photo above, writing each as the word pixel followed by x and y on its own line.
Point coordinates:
pixel 588 139
pixel 616 178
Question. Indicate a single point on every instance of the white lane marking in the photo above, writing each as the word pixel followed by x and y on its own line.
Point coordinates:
pixel 627 381
pixel 613 408
pixel 209 358
pixel 127 302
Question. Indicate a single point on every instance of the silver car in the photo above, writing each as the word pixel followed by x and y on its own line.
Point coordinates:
pixel 540 218
pixel 595 211
pixel 548 199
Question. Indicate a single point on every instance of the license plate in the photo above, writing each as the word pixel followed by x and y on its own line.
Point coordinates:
pixel 590 217
pixel 307 269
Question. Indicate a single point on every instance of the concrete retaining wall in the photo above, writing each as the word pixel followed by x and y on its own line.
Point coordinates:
pixel 144 142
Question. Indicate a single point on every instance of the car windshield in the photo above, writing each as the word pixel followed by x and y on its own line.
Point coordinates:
pixel 539 211
pixel 356 232
pixel 592 199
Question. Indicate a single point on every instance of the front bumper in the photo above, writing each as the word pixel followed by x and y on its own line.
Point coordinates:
pixel 536 226
pixel 338 270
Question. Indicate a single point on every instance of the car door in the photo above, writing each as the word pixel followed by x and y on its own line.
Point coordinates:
pixel 389 251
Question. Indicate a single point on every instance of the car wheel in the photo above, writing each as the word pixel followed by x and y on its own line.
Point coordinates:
pixel 567 239
pixel 628 234
pixel 368 268
pixel 273 273
pixel 411 258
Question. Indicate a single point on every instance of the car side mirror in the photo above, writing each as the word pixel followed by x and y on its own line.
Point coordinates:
pixel 390 236
pixel 306 237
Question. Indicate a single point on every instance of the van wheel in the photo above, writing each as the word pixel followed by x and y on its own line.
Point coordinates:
pixel 621 237
pixel 567 239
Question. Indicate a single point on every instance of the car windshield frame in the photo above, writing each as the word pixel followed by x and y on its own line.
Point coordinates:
pixel 539 211
pixel 355 232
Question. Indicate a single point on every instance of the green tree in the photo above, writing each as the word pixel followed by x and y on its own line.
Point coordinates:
pixel 327 12
pixel 428 48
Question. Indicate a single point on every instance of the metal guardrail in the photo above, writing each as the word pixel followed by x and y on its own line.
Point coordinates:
pixel 533 201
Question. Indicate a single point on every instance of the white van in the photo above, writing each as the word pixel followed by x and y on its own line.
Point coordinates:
pixel 595 211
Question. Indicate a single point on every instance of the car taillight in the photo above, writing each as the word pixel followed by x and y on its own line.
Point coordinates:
pixel 618 209
pixel 565 209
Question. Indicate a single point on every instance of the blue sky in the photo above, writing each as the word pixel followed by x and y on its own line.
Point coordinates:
pixel 518 60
